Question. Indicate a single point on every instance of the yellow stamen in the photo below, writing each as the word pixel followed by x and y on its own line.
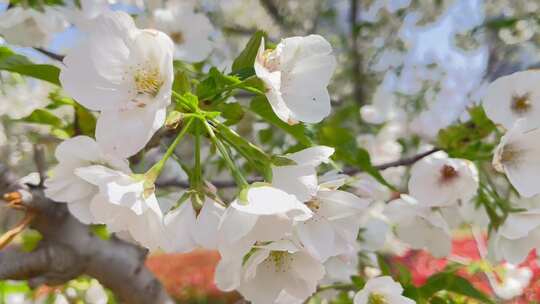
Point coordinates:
pixel 148 81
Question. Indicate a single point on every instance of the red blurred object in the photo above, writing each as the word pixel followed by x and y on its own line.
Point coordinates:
pixel 190 275
pixel 422 265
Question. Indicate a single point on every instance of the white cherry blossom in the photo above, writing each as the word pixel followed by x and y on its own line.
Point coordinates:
pixel 279 272
pixel 96 294
pixel 126 74
pixel 30 27
pixel 125 203
pixel 83 16
pixel 515 239
pixel 190 31
pixel 382 290
pixel 263 214
pixel 295 64
pixel 21 98
pixel 300 179
pixel 341 267
pixel 511 281
pixel 512 97
pixel 383 107
pixel 441 181
pixel 66 187
pixel 518 156
pixel 334 226
pixel 419 226
pixel 376 227
pixel 186 230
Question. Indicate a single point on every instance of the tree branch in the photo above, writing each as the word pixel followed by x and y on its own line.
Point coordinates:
pixel 69 249
pixel 348 170
pixel 402 162
pixel 273 10
pixel 356 56
pixel 50 54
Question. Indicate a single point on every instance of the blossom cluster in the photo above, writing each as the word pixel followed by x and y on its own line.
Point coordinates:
pixel 126 75
pixel 280 234
pixel 511 102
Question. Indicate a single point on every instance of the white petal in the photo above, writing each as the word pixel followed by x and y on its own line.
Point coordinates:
pixel 178 228
pixel 125 133
pixel 206 228
pixel 498 98
pixel 267 201
pixel 81 210
pixel 313 156
pixel 301 181
pixel 317 235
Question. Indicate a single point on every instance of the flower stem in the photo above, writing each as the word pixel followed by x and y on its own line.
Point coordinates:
pixel 156 169
pixel 238 177
pixel 186 104
pixel 197 170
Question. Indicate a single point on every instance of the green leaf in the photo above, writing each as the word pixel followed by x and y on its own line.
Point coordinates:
pixel 468 139
pixel 100 231
pixel 86 121
pixel 453 283
pixel 44 117
pixel 261 107
pixel 363 161
pixel 216 84
pixel 12 62
pixel 255 156
pixel 404 274
pixel 12 287
pixel 348 151
pixel 246 59
pixel 30 240
pixel 181 82
pixel 358 282
pixel 232 112
pixel 412 292
pixel 383 266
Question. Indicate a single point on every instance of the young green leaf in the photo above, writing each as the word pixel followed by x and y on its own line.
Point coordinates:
pixel 253 154
pixel 449 281
pixel 44 117
pixel 261 107
pixel 247 57
pixel 12 62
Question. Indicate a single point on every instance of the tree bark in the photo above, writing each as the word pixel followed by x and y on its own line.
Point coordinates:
pixel 69 249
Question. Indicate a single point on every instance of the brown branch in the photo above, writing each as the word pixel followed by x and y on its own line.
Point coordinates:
pixel 9 235
pixel 273 10
pixel 39 160
pixel 356 56
pixel 398 163
pixel 69 249
pixel 50 54
pixel 348 170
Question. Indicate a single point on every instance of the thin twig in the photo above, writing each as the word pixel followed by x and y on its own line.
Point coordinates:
pixel 39 160
pixel 50 54
pixel 398 163
pixel 273 10
pixel 356 56
pixel 349 170
pixel 9 235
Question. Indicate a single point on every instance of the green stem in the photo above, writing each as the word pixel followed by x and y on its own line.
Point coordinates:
pixel 238 177
pixel 183 102
pixel 156 169
pixel 197 171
